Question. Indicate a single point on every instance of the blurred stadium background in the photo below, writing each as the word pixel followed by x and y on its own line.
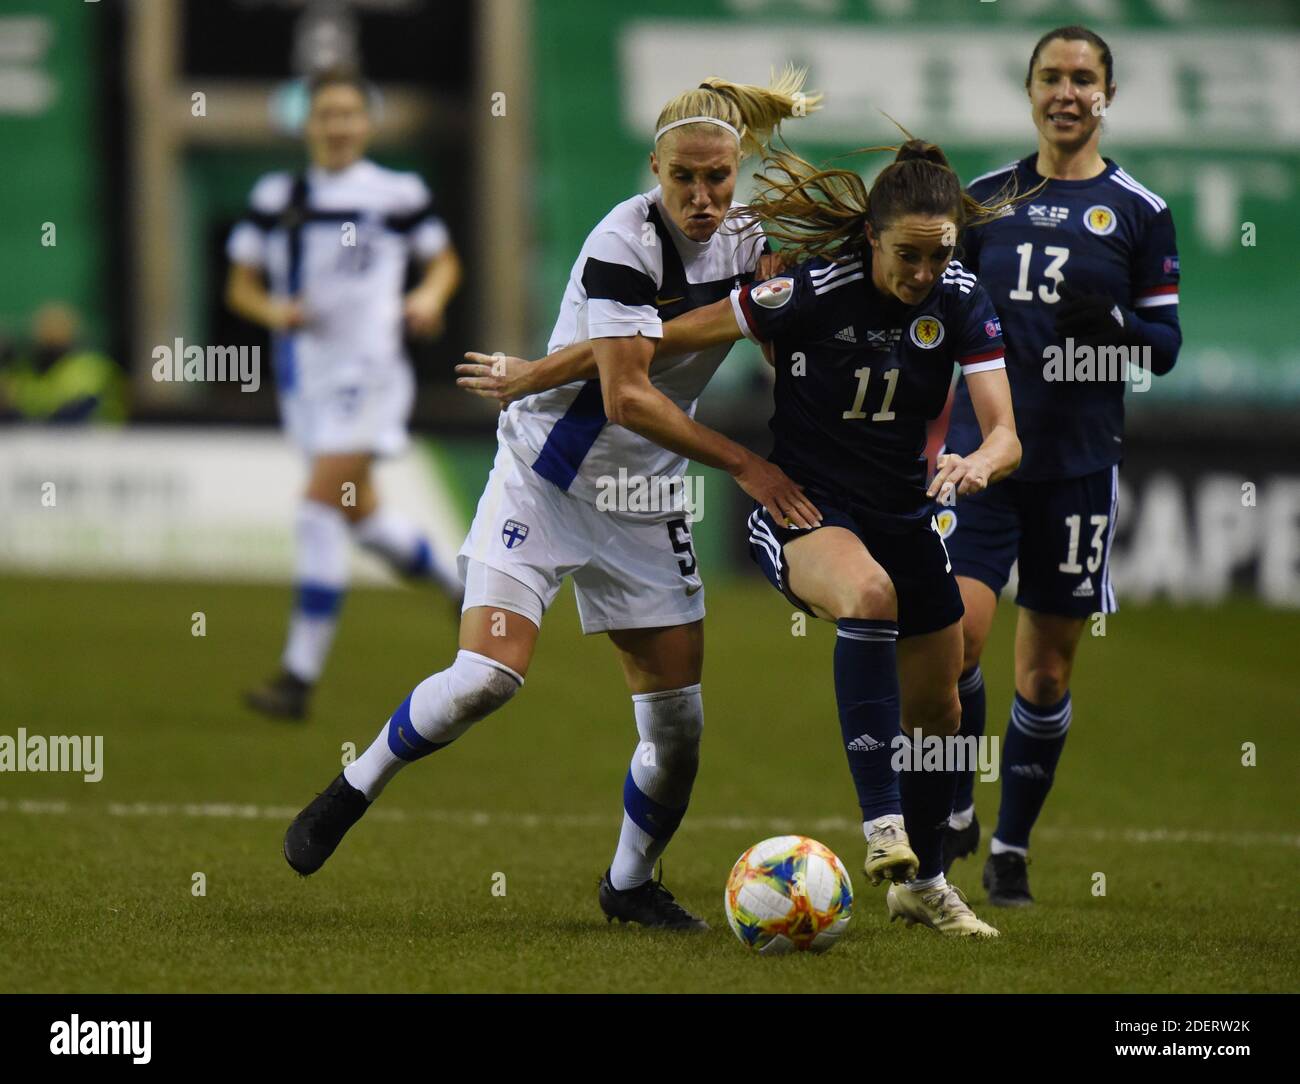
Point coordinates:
pixel 132 133
pixel 137 130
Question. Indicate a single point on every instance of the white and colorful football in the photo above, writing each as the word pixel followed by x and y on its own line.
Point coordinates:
pixel 788 894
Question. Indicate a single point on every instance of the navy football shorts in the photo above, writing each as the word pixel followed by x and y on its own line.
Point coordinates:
pixel 912 554
pixel 1060 531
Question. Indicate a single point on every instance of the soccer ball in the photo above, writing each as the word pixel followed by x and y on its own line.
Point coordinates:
pixel 788 894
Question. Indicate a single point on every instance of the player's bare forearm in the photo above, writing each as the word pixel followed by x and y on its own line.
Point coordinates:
pixel 505 378
pixel 650 413
pixel 424 308
pixel 246 296
pixel 990 394
pixel 699 329
pixel 442 278
pixel 575 362
pixel 999 453
pixel 633 402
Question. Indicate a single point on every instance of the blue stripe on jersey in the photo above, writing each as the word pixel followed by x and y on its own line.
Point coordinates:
pixel 572 436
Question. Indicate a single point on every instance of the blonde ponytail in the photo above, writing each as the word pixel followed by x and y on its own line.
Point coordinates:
pixel 754 112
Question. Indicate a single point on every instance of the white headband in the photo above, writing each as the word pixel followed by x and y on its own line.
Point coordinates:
pixel 697 120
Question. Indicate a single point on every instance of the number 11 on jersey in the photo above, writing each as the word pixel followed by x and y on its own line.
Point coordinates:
pixel 884 414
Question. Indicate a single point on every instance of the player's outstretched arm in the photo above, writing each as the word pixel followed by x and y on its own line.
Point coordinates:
pixel 998 455
pixel 505 378
pixel 633 402
pixel 699 329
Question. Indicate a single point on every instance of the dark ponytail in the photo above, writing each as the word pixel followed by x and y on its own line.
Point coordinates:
pixel 919 149
pixel 919 181
pixel 822 212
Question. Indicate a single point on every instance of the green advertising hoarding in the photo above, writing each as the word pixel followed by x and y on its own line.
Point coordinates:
pixel 1207 115
pixel 52 213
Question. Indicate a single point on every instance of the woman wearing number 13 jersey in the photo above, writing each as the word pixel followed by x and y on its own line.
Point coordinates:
pixel 1084 275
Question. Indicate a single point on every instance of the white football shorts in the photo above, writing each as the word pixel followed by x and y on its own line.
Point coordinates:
pixel 347 418
pixel 630 571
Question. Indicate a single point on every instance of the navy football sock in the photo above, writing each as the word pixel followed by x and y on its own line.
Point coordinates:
pixel 927 801
pixel 1035 738
pixel 866 691
pixel 970 688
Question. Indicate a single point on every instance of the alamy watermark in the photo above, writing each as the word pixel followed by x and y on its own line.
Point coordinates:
pixel 948 753
pixel 1098 364
pixel 113 1037
pixel 81 753
pixel 683 495
pixel 194 364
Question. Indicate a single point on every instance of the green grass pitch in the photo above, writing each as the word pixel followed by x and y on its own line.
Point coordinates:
pixel 1201 855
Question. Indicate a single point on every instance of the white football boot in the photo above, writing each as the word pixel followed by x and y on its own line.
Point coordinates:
pixel 889 854
pixel 943 909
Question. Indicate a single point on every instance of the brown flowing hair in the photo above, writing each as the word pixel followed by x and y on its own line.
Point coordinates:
pixel 823 212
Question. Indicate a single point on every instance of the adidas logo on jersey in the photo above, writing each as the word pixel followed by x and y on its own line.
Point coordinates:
pixel 864 743
pixel 1084 590
pixel 846 334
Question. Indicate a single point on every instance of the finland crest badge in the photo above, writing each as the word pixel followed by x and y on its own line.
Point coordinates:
pixel 514 533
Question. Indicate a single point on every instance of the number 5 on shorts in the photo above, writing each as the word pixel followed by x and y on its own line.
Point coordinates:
pixel 680 536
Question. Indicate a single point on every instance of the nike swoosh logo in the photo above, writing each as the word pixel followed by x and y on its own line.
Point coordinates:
pixel 693 590
pixel 402 738
pixel 660 302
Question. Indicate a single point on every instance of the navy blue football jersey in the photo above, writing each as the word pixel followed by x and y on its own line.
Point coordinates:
pixel 1105 235
pixel 858 374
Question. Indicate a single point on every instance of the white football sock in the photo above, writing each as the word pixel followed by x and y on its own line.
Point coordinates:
pixel 658 789
pixel 439 710
pixel 996 846
pixel 321 574
pixel 961 820
pixel 919 884
pixel 894 820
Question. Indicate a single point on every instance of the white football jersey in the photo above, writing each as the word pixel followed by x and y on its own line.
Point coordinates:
pixel 635 270
pixel 340 242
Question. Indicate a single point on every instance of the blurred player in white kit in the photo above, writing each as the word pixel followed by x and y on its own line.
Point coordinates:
pixel 320 259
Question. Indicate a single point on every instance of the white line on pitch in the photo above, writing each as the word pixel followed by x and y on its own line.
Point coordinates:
pixel 481 819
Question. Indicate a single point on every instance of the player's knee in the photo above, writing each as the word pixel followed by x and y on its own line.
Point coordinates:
pixel 972 647
pixel 672 723
pixel 1047 683
pixel 478 686
pixel 482 701
pixel 870 596
pixel 940 717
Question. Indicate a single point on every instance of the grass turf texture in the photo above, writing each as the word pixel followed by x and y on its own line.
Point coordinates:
pixel 98 897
